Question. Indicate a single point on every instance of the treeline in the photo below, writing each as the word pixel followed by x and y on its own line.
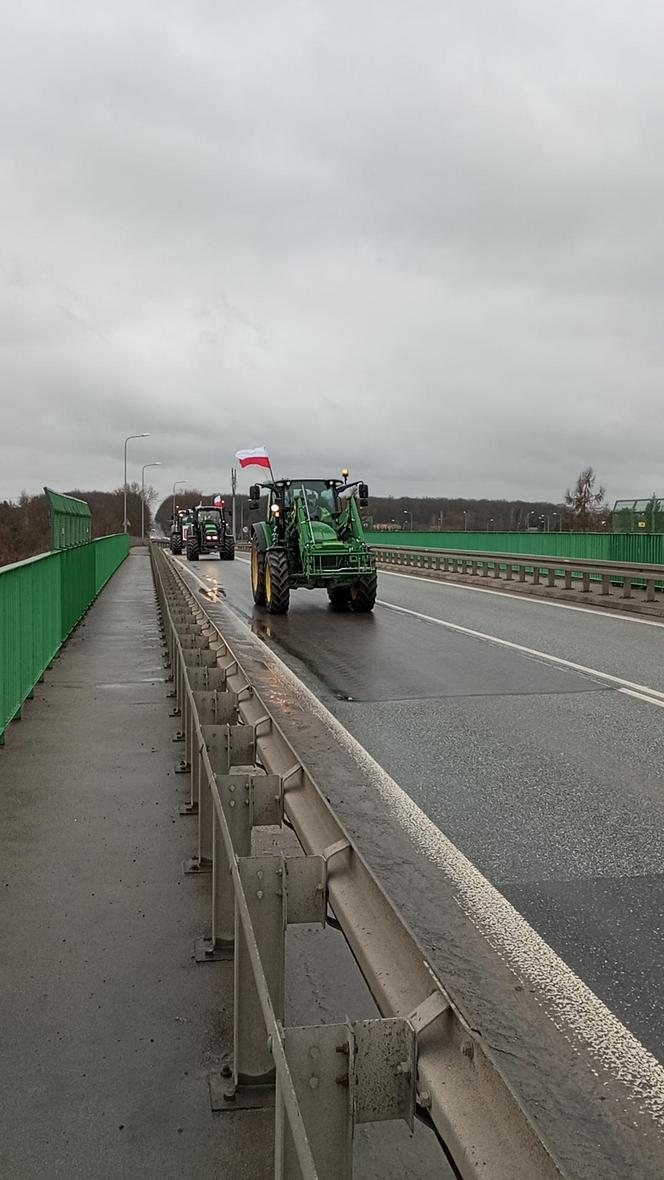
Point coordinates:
pixel 422 513
pixel 456 515
pixel 25 523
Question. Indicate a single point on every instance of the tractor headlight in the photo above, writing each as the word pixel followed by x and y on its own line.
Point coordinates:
pixel 275 509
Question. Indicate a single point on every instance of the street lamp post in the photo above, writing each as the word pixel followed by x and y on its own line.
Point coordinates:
pixel 143 496
pixel 178 483
pixel 465 521
pixel 129 436
pixel 233 489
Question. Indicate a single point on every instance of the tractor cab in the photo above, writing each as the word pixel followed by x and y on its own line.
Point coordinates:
pixel 209 532
pixel 312 538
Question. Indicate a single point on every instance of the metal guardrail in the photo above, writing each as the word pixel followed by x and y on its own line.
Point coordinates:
pixel 419 1058
pixel 521 568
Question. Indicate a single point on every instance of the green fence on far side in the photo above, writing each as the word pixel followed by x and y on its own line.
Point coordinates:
pixel 71 520
pixel 642 549
pixel 41 601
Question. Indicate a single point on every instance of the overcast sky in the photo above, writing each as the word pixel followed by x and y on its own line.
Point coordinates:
pixel 424 239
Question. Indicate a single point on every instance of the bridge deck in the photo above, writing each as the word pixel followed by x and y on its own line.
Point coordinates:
pixel 108 1028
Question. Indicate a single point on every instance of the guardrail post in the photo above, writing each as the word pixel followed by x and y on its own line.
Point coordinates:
pixel 627 586
pixel 345 1074
pixel 211 755
pixel 262 883
pixel 245 801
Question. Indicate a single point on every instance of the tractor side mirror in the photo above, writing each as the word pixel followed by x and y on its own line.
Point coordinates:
pixel 254 497
pixel 363 495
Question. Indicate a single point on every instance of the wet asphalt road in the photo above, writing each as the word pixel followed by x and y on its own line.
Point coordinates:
pixel 548 779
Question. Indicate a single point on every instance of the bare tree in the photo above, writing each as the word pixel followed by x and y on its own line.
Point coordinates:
pixel 585 502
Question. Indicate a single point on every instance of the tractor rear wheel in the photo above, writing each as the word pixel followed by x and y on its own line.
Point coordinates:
pixel 363 592
pixel 257 574
pixel 277 589
pixel 192 549
pixel 339 597
pixel 227 552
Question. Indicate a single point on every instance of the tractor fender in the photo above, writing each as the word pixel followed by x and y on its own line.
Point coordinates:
pixel 262 535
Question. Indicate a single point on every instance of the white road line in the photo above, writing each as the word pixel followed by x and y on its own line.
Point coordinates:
pixel 598 612
pixel 568 1002
pixel 640 697
pixel 643 690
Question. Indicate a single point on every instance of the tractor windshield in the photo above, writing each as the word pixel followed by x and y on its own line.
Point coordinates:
pixel 210 516
pixel 319 495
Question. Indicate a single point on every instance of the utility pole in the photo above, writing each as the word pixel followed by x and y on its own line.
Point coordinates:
pixel 143 497
pixel 178 483
pixel 233 488
pixel 124 508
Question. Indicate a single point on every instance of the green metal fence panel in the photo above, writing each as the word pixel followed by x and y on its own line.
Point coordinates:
pixel 71 520
pixel 41 601
pixel 642 549
pixel 110 552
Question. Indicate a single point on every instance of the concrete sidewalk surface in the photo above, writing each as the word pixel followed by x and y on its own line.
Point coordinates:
pixel 108 1027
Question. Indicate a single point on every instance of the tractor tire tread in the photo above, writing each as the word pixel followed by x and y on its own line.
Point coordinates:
pixel 279 581
pixel 363 593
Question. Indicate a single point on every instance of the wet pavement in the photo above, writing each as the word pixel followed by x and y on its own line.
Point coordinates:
pixel 550 780
pixel 108 1027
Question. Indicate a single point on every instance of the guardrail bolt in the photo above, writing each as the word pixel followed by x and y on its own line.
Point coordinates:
pixel 342 1080
pixel 424 1099
pixel 259 894
pixel 468 1049
pixel 345 1048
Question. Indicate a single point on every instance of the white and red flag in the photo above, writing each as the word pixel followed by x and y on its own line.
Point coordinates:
pixel 256 458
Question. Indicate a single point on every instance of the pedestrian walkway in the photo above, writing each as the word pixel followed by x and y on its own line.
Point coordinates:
pixel 108 1028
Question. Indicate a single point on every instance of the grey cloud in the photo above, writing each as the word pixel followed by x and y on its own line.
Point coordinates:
pixel 425 240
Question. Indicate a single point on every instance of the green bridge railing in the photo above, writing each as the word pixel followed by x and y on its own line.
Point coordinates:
pixel 642 549
pixel 41 601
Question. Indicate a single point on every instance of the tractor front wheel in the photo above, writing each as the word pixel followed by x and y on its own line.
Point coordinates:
pixel 339 597
pixel 257 575
pixel 363 592
pixel 277 589
pixel 176 545
pixel 228 551
pixel 192 549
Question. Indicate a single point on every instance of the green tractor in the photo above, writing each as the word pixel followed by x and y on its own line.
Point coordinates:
pixel 312 538
pixel 209 532
pixel 180 527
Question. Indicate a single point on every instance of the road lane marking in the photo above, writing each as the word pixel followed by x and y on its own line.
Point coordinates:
pixel 641 692
pixel 533 600
pixel 629 692
pixel 575 1010
pixel 652 695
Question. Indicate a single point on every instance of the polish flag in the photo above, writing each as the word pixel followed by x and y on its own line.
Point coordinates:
pixel 256 458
